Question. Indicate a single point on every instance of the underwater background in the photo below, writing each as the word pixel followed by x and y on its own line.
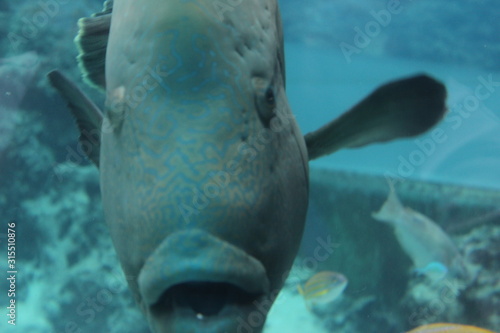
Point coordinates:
pixel 68 277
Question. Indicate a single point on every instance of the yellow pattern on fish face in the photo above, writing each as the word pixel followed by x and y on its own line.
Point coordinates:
pixel 208 159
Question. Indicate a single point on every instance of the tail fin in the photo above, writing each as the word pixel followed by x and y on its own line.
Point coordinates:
pixel 391 209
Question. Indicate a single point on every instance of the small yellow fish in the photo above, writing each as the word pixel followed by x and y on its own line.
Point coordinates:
pixel 448 328
pixel 323 288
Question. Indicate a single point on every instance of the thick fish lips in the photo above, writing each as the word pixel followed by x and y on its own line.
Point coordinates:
pixel 196 275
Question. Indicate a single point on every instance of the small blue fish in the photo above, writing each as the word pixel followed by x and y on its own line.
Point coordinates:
pixel 323 288
pixel 435 271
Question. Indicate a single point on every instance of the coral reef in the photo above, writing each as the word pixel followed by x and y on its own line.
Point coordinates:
pixel 46 27
pixel 473 301
pixel 382 284
pixel 69 276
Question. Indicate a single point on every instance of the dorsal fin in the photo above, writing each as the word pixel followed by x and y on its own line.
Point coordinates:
pixel 391 210
pixel 88 116
pixel 92 41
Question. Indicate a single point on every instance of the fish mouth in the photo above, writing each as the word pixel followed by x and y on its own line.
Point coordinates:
pixel 195 279
pixel 203 299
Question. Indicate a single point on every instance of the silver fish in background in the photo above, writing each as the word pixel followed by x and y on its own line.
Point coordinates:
pixel 430 248
pixel 203 169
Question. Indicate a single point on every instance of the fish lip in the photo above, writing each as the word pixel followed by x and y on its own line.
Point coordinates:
pixel 196 256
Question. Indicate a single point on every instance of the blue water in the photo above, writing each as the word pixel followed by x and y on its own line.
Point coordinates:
pixel 455 43
pixel 55 202
pixel 321 85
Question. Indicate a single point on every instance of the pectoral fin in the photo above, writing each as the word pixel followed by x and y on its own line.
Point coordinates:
pixel 399 109
pixel 88 115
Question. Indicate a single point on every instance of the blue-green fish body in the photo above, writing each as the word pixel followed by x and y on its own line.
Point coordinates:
pixel 204 171
pixel 188 168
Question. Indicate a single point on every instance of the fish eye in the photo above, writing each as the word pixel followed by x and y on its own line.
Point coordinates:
pixel 264 99
pixel 266 104
pixel 269 95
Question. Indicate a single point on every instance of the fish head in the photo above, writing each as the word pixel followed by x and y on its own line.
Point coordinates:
pixel 203 169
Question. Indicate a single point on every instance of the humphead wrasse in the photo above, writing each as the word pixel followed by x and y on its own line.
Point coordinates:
pixel 203 169
pixel 449 328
